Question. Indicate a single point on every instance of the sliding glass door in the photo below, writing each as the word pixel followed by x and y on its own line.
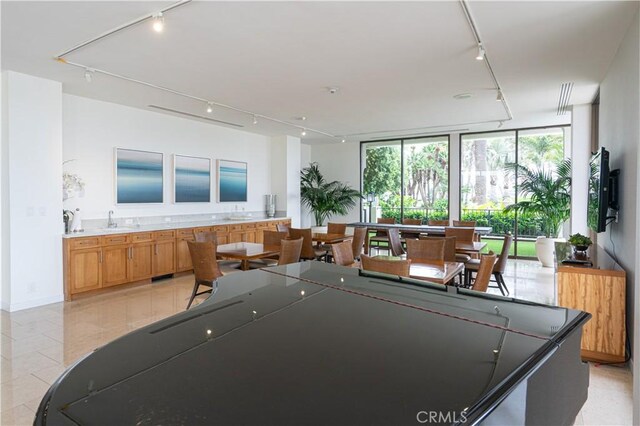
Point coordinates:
pixel 489 182
pixel 408 178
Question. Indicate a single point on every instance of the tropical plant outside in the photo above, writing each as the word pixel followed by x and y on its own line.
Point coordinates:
pixel 546 195
pixel 323 198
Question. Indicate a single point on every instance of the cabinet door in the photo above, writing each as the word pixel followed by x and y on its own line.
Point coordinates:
pixel 85 270
pixel 236 237
pixel 250 236
pixel 115 265
pixel 183 257
pixel 164 257
pixel 141 261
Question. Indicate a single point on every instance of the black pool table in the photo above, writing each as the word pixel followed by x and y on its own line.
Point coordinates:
pixel 318 344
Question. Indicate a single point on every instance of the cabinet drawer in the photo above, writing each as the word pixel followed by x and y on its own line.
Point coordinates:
pixel 116 239
pixel 142 237
pixel 185 233
pixel 165 235
pixel 263 224
pixel 202 229
pixel 80 243
pixel 233 228
pixel 221 228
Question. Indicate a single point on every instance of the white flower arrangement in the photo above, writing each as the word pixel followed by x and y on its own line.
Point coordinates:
pixel 71 184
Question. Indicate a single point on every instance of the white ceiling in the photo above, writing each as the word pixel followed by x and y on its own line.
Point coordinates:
pixel 397 64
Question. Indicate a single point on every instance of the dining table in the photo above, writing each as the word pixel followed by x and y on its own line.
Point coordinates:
pixel 439 273
pixel 470 247
pixel 326 238
pixel 245 252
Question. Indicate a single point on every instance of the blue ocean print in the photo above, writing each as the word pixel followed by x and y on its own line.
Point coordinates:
pixel 192 179
pixel 139 177
pixel 233 181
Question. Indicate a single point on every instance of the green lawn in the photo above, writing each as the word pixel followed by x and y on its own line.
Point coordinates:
pixel 525 248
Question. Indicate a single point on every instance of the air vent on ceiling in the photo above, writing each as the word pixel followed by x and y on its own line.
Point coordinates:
pixel 188 114
pixel 565 96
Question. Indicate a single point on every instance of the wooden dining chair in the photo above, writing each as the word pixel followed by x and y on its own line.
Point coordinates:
pixel 449 246
pixel 434 222
pixel 269 238
pixel 212 237
pixel 409 234
pixel 206 268
pixel 464 235
pixel 381 234
pixel 399 268
pixel 309 252
pixel 481 283
pixel 290 251
pixel 472 266
pixel 343 253
pixel 426 251
pixel 464 223
pixel 336 228
pixel 395 244
pixel 357 243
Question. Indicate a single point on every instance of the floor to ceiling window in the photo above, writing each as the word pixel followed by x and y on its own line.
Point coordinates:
pixel 406 178
pixel 488 182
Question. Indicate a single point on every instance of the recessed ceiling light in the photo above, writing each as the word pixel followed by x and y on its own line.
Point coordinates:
pixel 333 90
pixel 462 96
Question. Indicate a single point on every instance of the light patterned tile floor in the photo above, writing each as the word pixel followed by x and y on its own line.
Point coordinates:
pixel 37 344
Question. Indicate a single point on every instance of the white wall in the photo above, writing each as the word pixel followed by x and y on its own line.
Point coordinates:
pixel 306 220
pixel 32 192
pixel 285 176
pixel 620 134
pixel 580 155
pixel 341 162
pixel 93 128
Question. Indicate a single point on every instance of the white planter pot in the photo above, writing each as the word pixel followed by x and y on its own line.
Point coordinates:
pixel 545 250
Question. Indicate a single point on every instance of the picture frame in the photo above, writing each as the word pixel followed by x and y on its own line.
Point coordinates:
pixel 232 181
pixel 139 176
pixel 191 179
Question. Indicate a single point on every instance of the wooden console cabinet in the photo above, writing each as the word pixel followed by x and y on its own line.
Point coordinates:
pixel 600 291
pixel 98 262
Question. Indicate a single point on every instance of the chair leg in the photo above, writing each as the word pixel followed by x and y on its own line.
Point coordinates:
pixel 501 284
pixel 193 294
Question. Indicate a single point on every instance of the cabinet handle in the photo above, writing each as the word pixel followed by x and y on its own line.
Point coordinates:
pixel 100 257
pixel 130 252
pixel 155 249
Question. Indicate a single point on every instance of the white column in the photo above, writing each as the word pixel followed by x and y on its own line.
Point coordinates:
pixel 285 176
pixel 454 176
pixel 580 154
pixel 31 191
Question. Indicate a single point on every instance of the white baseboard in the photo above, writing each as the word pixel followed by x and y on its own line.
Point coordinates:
pixel 13 307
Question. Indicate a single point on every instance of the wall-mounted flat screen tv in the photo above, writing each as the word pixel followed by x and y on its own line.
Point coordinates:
pixel 603 188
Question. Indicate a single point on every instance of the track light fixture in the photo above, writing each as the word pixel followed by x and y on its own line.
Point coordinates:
pixel 255 119
pixel 209 107
pixel 480 52
pixel 158 22
pixel 500 124
pixel 499 98
pixel 344 140
pixel 88 75
pixel 303 132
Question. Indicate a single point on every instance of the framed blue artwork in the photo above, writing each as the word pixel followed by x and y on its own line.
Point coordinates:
pixel 191 179
pixel 232 181
pixel 139 176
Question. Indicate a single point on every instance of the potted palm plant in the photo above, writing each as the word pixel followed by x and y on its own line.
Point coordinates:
pixel 546 195
pixel 323 198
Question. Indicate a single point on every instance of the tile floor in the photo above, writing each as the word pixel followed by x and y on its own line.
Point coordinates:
pixel 37 344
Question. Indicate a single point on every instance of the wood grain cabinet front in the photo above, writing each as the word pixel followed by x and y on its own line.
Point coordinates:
pixel 84 270
pixel 95 262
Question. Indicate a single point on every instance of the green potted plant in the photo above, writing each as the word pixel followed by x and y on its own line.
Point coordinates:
pixel 323 198
pixel 580 244
pixel 545 195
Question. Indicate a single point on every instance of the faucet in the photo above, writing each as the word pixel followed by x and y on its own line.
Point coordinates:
pixel 111 223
